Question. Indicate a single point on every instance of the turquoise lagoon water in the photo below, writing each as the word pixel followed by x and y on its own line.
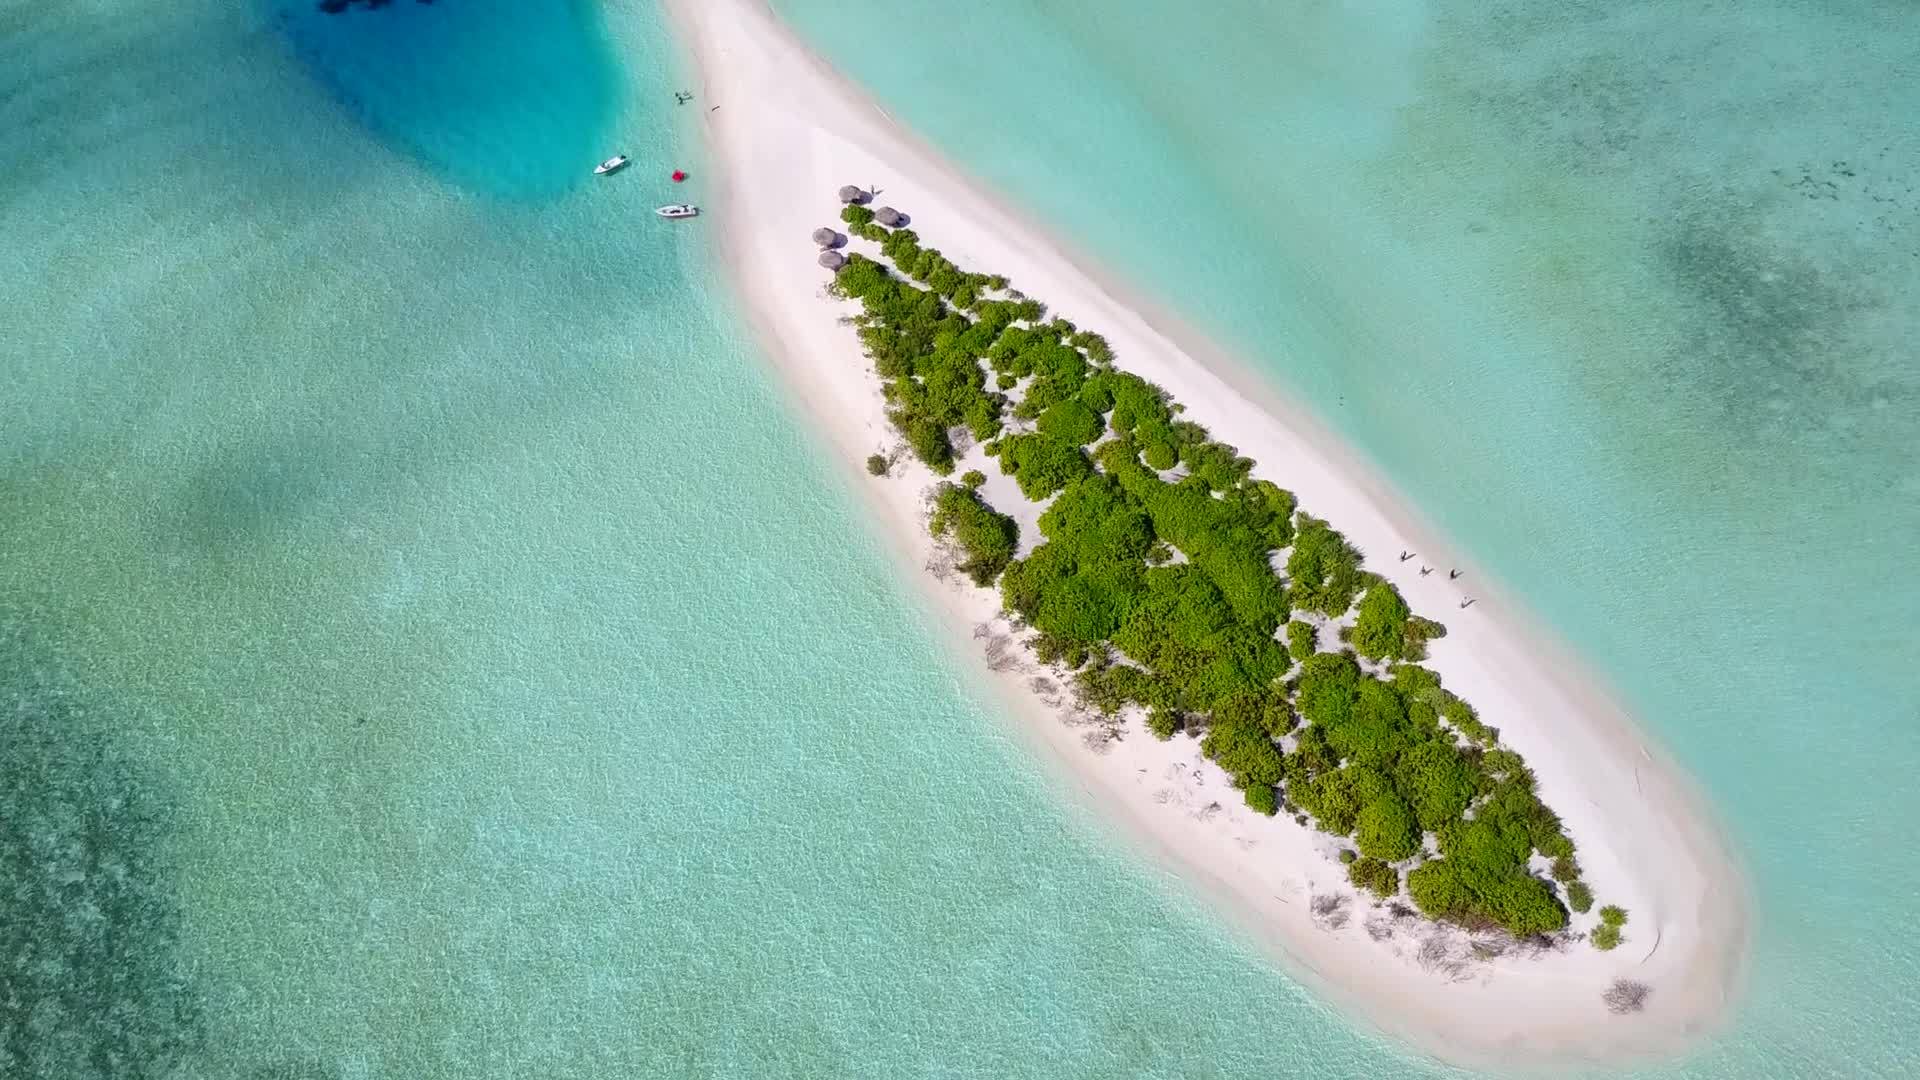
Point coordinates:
pixel 1627 294
pixel 433 650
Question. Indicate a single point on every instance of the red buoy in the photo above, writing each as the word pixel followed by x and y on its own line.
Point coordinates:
pixel 678 176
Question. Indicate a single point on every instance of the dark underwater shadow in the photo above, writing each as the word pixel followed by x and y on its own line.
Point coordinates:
pixel 510 98
pixel 251 230
pixel 94 983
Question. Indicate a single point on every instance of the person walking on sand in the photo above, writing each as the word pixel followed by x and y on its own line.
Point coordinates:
pixel 1425 570
pixel 1452 574
pixel 1467 603
pixel 1405 555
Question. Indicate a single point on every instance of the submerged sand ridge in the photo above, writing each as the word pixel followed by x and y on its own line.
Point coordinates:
pixel 788 134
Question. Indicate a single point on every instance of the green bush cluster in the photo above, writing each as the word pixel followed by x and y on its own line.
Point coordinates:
pixel 1388 630
pixel 1157 588
pixel 1302 640
pixel 1609 934
pixel 1374 876
pixel 1323 569
pixel 986 537
pixel 924 353
pixel 1263 798
pixel 877 464
pixel 1071 422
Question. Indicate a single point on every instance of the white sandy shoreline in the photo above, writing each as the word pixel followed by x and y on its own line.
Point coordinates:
pixel 789 132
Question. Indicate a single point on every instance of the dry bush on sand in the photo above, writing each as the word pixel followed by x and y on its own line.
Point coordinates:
pixel 1626 996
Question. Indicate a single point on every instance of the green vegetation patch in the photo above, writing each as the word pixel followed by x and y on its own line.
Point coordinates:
pixel 1374 876
pixel 986 537
pixel 1323 568
pixel 1155 584
pixel 1072 422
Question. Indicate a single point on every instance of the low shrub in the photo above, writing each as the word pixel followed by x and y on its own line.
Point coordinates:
pixel 1381 631
pixel 1626 996
pixel 986 537
pixel 1302 640
pixel 1386 829
pixel 1263 799
pixel 1579 897
pixel 1070 421
pixel 1374 876
pixel 877 464
pixel 1606 938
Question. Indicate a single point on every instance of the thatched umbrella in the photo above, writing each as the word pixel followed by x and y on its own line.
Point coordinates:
pixel 827 238
pixel 832 260
pixel 889 217
pixel 851 194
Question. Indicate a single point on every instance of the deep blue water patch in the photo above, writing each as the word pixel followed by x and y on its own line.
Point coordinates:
pixel 512 98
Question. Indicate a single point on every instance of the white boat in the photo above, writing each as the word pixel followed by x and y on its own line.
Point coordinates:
pixel 612 164
pixel 677 210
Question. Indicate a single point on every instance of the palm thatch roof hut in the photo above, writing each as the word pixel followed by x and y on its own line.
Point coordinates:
pixel 851 194
pixel 889 217
pixel 832 260
pixel 827 238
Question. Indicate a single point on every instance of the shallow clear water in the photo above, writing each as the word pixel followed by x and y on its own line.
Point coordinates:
pixel 431 649
pixel 464 666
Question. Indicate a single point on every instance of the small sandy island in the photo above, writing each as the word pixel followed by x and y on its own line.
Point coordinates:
pixel 787 134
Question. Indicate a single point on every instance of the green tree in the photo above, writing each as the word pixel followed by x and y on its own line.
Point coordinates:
pixel 1263 798
pixel 1071 422
pixel 1042 464
pixel 1387 830
pixel 1245 752
pixel 1163 722
pixel 1437 781
pixel 986 537
pixel 1374 876
pixel 1380 633
pixel 1301 640
pixel 1323 569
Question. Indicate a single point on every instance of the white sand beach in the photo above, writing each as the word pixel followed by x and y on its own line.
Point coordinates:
pixel 787 134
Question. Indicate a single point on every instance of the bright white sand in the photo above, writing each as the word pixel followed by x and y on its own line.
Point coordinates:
pixel 788 133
